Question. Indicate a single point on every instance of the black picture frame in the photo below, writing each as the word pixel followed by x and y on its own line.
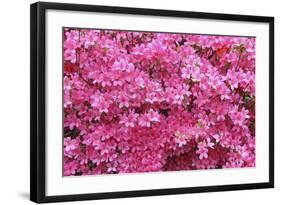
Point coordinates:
pixel 38 101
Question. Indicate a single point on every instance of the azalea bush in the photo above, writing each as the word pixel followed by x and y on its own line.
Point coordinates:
pixel 147 101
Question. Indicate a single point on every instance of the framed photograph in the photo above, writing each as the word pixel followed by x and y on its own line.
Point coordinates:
pixel 129 102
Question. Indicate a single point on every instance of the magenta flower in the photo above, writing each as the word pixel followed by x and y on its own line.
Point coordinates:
pixel 144 120
pixel 202 150
pixel 130 120
pixel 238 117
pixel 123 65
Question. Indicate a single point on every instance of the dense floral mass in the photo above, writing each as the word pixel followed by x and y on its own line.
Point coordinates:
pixel 143 102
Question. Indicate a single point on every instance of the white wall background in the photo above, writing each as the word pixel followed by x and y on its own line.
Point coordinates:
pixel 14 100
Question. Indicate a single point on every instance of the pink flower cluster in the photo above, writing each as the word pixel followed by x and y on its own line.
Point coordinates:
pixel 145 101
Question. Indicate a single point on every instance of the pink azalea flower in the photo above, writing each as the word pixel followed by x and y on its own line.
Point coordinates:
pixel 153 116
pixel 144 121
pixel 238 117
pixel 202 150
pixel 123 65
pixel 123 101
pixel 130 120
pixel 70 144
pixel 100 103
